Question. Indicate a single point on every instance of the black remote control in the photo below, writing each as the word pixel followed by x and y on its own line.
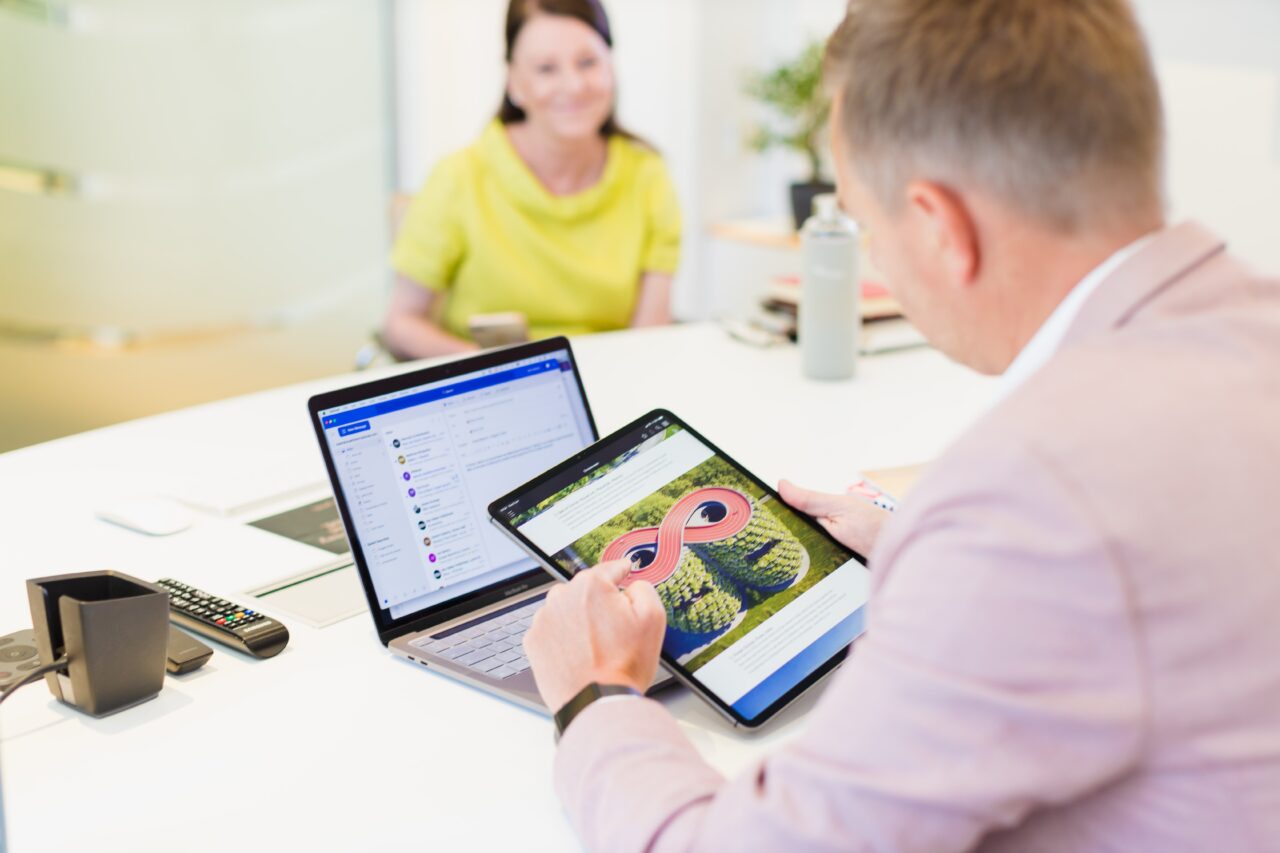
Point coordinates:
pixel 223 622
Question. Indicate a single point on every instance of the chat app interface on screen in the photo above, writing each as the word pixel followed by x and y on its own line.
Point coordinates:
pixel 756 598
pixel 419 467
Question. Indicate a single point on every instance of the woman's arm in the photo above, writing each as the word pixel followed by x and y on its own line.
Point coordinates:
pixel 653 306
pixel 410 330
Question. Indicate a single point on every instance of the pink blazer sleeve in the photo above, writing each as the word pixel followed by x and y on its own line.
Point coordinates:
pixel 1000 673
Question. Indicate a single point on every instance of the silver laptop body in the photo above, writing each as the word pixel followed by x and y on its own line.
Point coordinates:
pixel 413 461
pixel 483 649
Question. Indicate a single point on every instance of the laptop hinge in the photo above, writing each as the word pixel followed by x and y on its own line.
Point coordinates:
pixel 467 607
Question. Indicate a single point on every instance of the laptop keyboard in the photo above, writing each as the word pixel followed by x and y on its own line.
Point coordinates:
pixel 491 645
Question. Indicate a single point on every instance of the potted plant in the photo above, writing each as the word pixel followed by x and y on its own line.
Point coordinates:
pixel 794 91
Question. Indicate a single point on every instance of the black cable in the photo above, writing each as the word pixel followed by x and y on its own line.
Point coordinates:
pixel 60 663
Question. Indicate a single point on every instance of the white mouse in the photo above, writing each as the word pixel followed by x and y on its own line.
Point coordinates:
pixel 153 516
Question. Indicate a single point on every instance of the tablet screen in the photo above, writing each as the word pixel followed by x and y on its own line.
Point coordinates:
pixel 759 599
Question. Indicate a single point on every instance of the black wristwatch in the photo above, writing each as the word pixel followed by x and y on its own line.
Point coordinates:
pixel 585 697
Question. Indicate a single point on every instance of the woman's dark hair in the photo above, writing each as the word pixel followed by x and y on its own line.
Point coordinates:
pixel 590 12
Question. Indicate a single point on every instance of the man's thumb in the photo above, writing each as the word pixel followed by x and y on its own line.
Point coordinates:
pixel 614 571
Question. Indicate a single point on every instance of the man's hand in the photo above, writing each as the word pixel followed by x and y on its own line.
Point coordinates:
pixel 589 630
pixel 854 521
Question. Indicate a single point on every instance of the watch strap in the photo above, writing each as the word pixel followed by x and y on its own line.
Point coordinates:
pixel 585 697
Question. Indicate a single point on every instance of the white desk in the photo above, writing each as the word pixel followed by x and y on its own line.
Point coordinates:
pixel 335 744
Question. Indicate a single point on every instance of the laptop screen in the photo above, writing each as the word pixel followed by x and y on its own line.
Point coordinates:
pixel 418 466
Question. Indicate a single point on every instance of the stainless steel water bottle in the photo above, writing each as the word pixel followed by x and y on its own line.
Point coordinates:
pixel 829 319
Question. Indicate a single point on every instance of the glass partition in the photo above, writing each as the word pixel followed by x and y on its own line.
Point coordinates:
pixel 186 174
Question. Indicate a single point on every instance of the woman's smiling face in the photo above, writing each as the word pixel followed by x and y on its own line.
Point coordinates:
pixel 561 75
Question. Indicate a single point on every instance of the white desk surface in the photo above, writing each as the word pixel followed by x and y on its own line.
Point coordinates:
pixel 336 744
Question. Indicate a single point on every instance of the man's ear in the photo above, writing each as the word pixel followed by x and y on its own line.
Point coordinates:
pixel 946 226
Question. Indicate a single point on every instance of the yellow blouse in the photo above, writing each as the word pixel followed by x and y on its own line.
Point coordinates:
pixel 485 230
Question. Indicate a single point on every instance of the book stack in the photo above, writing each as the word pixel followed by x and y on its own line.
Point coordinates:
pixel 783 298
pixel 884 328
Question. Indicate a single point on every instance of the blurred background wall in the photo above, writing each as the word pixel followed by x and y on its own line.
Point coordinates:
pixel 192 201
pixel 194 196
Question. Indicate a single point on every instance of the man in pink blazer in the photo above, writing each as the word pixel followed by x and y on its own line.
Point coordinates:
pixel 1072 643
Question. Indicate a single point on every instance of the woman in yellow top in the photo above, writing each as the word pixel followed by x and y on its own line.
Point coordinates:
pixel 554 212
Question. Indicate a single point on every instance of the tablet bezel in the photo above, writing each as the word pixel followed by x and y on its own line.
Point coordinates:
pixel 688 678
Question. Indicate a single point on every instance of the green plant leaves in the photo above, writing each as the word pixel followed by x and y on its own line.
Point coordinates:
pixel 795 93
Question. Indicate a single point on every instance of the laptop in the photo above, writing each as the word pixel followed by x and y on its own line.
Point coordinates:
pixel 414 461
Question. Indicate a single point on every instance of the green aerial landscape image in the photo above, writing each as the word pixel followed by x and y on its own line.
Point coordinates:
pixel 722 554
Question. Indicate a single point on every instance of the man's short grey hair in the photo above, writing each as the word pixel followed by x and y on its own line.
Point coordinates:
pixel 1051 106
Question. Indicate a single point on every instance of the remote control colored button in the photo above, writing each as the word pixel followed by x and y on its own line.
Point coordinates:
pixel 12 653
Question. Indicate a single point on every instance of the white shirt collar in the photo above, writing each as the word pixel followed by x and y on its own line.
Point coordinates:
pixel 1045 342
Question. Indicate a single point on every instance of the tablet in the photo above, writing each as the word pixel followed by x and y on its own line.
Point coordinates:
pixel 761 601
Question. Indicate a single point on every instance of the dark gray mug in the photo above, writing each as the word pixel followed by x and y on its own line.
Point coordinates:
pixel 113 628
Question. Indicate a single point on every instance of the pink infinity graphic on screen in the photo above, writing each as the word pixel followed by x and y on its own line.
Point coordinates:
pixel 669 537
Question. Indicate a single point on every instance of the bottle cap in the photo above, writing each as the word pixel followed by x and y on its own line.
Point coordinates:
pixel 826 207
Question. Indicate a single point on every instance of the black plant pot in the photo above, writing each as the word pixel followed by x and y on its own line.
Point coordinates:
pixel 802 199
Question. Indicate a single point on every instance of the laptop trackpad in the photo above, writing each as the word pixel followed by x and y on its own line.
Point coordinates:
pixel 319 601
